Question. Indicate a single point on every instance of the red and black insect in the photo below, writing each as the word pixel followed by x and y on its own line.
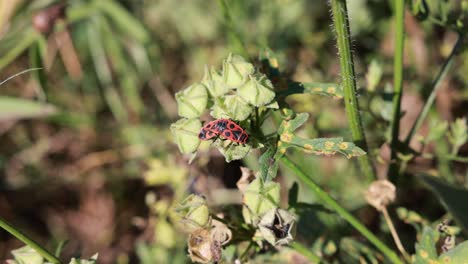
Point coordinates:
pixel 226 128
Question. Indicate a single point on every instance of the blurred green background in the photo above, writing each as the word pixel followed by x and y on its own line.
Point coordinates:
pixel 85 151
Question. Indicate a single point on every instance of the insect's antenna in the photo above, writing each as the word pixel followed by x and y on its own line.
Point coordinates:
pixel 18 74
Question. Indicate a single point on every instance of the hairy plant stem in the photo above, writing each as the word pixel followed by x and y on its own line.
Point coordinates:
pixel 28 241
pixel 436 84
pixel 331 203
pixel 305 252
pixel 231 28
pixel 397 85
pixel 348 76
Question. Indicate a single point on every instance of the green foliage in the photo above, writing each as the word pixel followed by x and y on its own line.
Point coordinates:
pixel 455 255
pixel 452 197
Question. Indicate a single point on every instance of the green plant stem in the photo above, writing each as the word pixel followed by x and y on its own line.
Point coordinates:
pixel 397 84
pixel 305 252
pixel 19 235
pixel 330 202
pixel 232 31
pixel 348 76
pixel 436 84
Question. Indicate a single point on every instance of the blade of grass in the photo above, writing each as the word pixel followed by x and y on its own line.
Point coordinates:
pixel 397 85
pixel 348 76
pixel 103 72
pixel 436 84
pixel 234 34
pixel 28 241
pixel 331 203
pixel 27 40
pixel 306 252
pixel 128 24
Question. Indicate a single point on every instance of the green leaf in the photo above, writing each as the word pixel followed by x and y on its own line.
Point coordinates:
pixel 236 106
pixel 295 123
pixel 426 247
pixel 185 133
pixel 128 24
pixel 437 130
pixel 12 109
pixel 28 38
pixel 257 91
pixel 459 254
pixel 268 165
pixel 452 197
pixel 353 251
pixel 323 146
pixel 192 101
pixel 458 133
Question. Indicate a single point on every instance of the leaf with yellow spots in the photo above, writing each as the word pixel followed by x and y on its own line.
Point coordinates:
pixel 324 146
pixel 326 89
pixel 426 247
pixel 459 254
pixel 294 123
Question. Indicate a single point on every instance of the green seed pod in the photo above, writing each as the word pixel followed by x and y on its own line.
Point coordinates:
pixel 259 198
pixel 231 151
pixel 194 212
pixel 92 260
pixel 257 91
pixel 185 133
pixel 214 82
pixel 218 110
pixel 235 70
pixel 192 101
pixel 278 226
pixel 27 255
pixel 238 108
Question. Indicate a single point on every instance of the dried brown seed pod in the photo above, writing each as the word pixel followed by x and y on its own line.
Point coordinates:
pixel 380 193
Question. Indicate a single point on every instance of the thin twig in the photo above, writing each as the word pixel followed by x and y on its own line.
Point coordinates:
pixel 18 74
pixel 394 233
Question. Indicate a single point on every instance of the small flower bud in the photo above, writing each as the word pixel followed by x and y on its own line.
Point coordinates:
pixel 259 198
pixel 185 133
pixel 257 91
pixel 235 70
pixel 195 213
pixel 380 193
pixel 192 101
pixel 28 255
pixel 277 226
